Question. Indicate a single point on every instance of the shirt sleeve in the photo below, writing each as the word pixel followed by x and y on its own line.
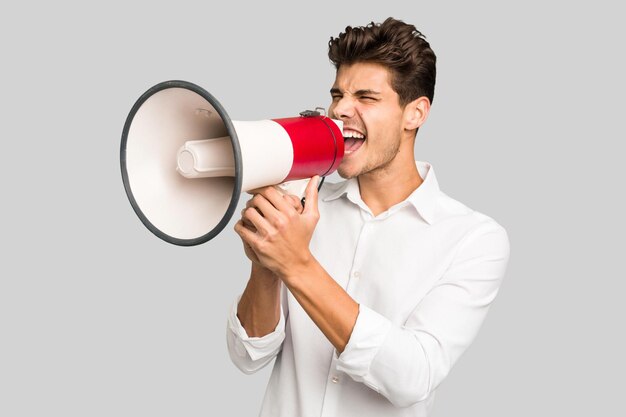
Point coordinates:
pixel 250 354
pixel 406 363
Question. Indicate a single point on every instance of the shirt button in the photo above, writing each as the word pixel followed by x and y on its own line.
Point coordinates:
pixel 356 274
pixel 335 379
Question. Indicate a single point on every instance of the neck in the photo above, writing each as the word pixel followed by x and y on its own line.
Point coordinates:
pixel 387 186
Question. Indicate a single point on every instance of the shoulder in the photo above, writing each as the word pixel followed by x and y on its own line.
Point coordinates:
pixel 473 227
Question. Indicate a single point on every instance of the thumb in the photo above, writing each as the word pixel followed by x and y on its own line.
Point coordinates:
pixel 310 195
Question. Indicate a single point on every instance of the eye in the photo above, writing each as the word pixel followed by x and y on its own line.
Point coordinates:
pixel 368 98
pixel 336 97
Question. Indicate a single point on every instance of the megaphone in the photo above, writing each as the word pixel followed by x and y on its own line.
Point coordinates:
pixel 185 163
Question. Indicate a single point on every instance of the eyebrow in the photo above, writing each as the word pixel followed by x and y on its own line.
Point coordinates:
pixel 356 93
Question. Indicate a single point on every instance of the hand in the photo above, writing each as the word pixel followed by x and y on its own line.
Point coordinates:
pixel 276 232
pixel 291 199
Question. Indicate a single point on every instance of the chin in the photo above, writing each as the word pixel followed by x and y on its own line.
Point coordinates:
pixel 346 173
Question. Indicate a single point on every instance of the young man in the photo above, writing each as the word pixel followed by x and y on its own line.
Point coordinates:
pixel 368 295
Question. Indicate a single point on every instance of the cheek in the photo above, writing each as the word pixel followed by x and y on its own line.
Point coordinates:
pixel 384 123
pixel 331 110
pixel 375 124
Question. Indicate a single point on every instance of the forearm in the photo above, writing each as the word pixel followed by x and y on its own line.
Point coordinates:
pixel 328 305
pixel 259 307
pixel 279 235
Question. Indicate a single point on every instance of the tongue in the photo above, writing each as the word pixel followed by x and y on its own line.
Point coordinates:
pixel 352 144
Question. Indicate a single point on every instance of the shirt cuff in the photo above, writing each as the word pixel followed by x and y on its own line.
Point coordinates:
pixel 369 334
pixel 257 347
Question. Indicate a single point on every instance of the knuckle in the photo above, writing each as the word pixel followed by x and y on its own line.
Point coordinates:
pixel 267 238
pixel 270 191
pixel 255 200
pixel 295 202
pixel 280 222
pixel 259 247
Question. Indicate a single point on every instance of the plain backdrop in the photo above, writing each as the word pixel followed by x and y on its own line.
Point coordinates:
pixel 98 317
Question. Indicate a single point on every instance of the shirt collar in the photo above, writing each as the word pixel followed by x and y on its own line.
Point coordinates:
pixel 423 198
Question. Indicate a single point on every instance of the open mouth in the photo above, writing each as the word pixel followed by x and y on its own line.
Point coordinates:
pixel 352 140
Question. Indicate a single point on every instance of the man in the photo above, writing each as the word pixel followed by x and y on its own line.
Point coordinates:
pixel 368 295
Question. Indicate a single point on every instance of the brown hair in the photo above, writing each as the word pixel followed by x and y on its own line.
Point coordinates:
pixel 398 46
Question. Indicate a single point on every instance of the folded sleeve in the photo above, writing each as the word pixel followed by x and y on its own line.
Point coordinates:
pixel 250 354
pixel 406 363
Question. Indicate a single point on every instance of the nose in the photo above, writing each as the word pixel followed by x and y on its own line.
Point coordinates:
pixel 343 108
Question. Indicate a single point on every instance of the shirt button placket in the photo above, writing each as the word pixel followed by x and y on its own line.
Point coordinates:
pixel 355 273
pixel 334 381
pixel 332 394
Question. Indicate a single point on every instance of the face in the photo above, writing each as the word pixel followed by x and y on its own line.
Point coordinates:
pixel 372 117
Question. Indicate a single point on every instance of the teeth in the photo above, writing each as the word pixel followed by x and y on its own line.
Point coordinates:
pixel 353 134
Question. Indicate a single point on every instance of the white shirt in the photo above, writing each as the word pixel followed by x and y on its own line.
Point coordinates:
pixel 424 274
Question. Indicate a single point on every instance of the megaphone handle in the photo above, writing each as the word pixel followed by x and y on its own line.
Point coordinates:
pixel 297 187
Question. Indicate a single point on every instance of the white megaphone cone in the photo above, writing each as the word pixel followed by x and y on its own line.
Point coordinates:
pixel 185 162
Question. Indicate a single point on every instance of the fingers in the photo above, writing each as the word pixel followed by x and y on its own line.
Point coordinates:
pixel 259 190
pixel 251 215
pixel 276 207
pixel 247 222
pixel 295 202
pixel 264 207
pixel 246 234
pixel 270 210
pixel 311 196
pixel 290 199
pixel 280 200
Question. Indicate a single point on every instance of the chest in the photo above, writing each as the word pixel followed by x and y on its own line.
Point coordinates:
pixel 389 264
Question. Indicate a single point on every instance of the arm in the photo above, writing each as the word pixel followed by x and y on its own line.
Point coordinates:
pixel 256 323
pixel 329 306
pixel 279 236
pixel 259 306
pixel 251 353
pixel 406 363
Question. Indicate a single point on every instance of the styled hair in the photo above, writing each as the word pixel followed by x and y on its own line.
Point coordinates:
pixel 398 46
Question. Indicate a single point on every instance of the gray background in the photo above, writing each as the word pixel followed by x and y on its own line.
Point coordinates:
pixel 99 318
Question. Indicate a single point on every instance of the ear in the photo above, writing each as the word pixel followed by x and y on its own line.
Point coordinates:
pixel 416 113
